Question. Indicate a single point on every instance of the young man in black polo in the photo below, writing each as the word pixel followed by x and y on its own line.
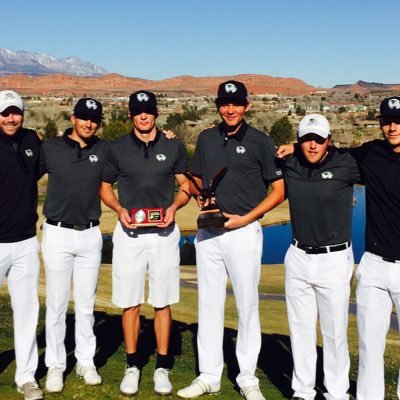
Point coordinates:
pixel 72 240
pixel 146 164
pixel 319 263
pixel 19 261
pixel 378 273
pixel 234 250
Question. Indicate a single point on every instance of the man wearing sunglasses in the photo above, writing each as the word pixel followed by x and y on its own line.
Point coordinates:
pixel 19 261
pixel 72 240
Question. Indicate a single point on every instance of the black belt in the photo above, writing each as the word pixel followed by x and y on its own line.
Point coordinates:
pixel 321 249
pixel 77 227
pixel 391 260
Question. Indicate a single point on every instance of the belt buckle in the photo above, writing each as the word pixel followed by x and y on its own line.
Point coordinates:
pixel 79 227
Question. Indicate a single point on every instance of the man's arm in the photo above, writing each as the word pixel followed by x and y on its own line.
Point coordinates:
pixel 275 197
pixel 181 199
pixel 285 150
pixel 109 199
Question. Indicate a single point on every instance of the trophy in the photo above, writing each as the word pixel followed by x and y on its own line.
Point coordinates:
pixel 147 216
pixel 210 215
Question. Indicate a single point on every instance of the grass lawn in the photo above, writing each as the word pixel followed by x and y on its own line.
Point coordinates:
pixel 274 362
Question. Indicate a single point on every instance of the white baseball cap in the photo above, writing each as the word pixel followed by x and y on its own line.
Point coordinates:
pixel 9 98
pixel 314 123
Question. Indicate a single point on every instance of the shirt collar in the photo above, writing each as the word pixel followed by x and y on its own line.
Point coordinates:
pixel 73 143
pixel 239 135
pixel 139 142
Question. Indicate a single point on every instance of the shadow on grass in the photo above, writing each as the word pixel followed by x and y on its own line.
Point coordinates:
pixel 275 360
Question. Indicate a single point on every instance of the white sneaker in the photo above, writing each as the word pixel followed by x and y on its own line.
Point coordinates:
pixel 31 391
pixel 197 388
pixel 130 383
pixel 252 393
pixel 162 384
pixel 88 374
pixel 54 380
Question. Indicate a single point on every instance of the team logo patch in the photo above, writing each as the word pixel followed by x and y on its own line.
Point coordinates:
pixel 29 152
pixel 161 157
pixel 10 96
pixel 312 122
pixel 278 172
pixel 142 97
pixel 91 105
pixel 230 88
pixel 93 158
pixel 327 175
pixel 394 103
pixel 240 149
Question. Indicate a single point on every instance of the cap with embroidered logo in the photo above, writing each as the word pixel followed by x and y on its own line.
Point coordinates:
pixel 231 91
pixel 143 102
pixel 88 109
pixel 9 98
pixel 390 107
pixel 314 123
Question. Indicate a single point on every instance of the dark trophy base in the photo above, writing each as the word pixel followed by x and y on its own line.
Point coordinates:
pixel 211 219
pixel 147 216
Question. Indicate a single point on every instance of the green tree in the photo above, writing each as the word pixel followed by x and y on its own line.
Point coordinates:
pixel 282 131
pixel 50 129
pixel 115 128
pixel 300 111
pixel 371 116
pixel 173 121
pixel 342 109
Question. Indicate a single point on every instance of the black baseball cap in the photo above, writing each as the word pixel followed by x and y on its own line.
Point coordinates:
pixel 88 108
pixel 390 107
pixel 231 92
pixel 143 102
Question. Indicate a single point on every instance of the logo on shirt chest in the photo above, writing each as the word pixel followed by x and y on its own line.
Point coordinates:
pixel 93 158
pixel 29 153
pixel 240 149
pixel 161 157
pixel 327 175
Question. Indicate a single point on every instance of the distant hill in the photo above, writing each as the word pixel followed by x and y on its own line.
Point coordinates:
pixel 362 86
pixel 34 64
pixel 118 85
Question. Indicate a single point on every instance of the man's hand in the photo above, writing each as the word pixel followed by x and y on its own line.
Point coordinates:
pixel 125 219
pixel 169 217
pixel 235 221
pixel 169 134
pixel 285 150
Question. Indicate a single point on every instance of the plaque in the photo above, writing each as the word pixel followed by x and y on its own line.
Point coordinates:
pixel 147 216
pixel 210 215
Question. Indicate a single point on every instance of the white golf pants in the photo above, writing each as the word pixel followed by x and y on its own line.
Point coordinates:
pixel 19 261
pixel 319 285
pixel 378 289
pixel 236 253
pixel 68 253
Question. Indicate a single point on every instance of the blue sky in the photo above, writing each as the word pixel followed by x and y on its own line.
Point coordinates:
pixel 321 42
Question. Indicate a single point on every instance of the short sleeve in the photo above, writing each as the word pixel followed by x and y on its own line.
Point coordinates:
pixel 110 170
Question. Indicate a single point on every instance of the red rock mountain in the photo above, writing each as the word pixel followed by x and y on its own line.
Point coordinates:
pixel 118 85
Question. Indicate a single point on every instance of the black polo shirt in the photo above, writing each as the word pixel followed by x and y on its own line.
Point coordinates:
pixel 19 162
pixel 380 168
pixel 250 157
pixel 145 172
pixel 321 197
pixel 74 178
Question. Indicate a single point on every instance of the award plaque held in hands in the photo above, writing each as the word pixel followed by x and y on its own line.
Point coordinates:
pixel 210 215
pixel 147 216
